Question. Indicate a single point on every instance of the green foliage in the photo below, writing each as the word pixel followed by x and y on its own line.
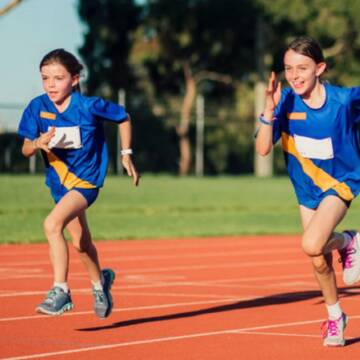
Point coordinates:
pixel 144 46
pixel 107 43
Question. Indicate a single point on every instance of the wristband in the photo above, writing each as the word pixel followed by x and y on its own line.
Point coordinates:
pixel 126 152
pixel 266 122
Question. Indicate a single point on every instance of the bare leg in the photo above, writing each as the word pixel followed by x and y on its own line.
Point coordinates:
pixel 318 228
pixel 81 238
pixel 70 206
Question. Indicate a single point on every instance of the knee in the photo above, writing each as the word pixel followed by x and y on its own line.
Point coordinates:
pixel 82 243
pixel 51 226
pixel 311 245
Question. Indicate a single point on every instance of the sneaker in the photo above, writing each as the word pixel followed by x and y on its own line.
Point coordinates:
pixel 350 259
pixel 103 300
pixel 333 331
pixel 56 302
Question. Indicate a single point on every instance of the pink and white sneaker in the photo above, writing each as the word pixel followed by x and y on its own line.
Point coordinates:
pixel 350 259
pixel 333 331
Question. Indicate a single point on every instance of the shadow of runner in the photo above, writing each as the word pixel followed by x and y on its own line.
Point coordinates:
pixel 276 299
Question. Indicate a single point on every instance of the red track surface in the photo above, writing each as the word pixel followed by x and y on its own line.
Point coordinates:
pixel 219 298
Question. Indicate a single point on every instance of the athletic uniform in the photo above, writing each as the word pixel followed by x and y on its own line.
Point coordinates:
pixel 321 147
pixel 78 158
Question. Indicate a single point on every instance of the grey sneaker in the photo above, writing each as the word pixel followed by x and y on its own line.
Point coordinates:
pixel 350 259
pixel 56 302
pixel 103 300
pixel 333 331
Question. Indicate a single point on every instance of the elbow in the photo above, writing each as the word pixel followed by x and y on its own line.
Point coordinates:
pixel 263 150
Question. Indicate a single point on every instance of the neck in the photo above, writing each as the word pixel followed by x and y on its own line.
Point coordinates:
pixel 62 105
pixel 316 97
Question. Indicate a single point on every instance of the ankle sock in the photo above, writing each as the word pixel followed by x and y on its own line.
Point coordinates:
pixel 347 239
pixel 334 311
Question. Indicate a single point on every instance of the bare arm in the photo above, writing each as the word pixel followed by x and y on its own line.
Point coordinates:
pixel 126 137
pixel 30 147
pixel 264 138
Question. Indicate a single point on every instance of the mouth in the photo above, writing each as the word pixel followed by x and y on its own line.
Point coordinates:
pixel 298 85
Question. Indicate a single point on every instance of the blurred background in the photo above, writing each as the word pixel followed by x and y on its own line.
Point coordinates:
pixel 191 73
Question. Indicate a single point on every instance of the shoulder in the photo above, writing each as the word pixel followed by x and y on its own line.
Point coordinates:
pixel 287 98
pixel 338 94
pixel 37 101
pixel 287 94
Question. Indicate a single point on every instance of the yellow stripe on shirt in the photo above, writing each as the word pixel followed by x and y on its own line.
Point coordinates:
pixel 67 178
pixel 47 115
pixel 320 178
pixel 297 116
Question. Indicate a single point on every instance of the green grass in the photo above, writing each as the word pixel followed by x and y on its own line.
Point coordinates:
pixel 162 206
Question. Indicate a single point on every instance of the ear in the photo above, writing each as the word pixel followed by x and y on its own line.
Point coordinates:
pixel 75 80
pixel 320 68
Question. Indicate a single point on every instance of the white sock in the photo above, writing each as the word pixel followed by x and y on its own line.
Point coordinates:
pixel 97 285
pixel 334 311
pixel 63 286
pixel 347 239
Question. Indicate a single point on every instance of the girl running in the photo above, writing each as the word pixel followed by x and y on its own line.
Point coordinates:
pixel 67 128
pixel 317 122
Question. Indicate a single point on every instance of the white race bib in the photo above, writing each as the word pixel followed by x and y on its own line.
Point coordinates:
pixel 66 138
pixel 321 149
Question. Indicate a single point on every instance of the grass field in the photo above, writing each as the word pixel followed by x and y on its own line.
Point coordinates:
pixel 161 207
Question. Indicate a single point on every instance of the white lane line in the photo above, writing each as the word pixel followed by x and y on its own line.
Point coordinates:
pixel 160 284
pixel 163 244
pixel 235 265
pixel 164 257
pixel 147 307
pixel 280 334
pixel 164 339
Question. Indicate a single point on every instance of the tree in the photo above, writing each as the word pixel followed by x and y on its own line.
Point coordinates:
pixel 107 44
pixel 199 41
pixel 11 5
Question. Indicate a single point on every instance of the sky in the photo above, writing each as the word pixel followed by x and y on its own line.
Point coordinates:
pixel 27 33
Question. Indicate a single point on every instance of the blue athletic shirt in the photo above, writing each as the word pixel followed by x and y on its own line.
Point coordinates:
pixel 84 167
pixel 320 146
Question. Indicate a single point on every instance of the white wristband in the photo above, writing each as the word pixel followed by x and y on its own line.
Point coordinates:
pixel 126 152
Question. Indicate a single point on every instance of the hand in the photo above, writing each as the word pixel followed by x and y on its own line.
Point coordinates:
pixel 272 95
pixel 43 140
pixel 130 169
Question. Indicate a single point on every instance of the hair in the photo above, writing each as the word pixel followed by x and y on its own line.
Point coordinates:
pixel 66 59
pixel 307 46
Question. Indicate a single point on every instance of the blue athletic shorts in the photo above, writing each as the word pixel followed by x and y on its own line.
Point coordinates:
pixel 89 194
pixel 312 202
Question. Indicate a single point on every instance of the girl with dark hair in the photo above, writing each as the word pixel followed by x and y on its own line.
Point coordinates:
pixel 68 129
pixel 317 124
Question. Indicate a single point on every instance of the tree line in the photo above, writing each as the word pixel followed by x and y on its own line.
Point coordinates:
pixel 166 52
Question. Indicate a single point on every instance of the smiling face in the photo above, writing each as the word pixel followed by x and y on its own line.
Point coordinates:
pixel 58 83
pixel 302 73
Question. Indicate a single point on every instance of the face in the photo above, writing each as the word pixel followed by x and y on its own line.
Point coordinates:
pixel 302 72
pixel 58 82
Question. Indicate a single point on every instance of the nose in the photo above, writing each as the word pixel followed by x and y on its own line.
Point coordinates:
pixel 51 83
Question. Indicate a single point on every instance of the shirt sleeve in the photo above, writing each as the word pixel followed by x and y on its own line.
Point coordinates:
pixel 28 127
pixel 355 104
pixel 107 110
pixel 280 116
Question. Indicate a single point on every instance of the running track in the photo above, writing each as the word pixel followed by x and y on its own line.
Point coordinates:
pixel 218 298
